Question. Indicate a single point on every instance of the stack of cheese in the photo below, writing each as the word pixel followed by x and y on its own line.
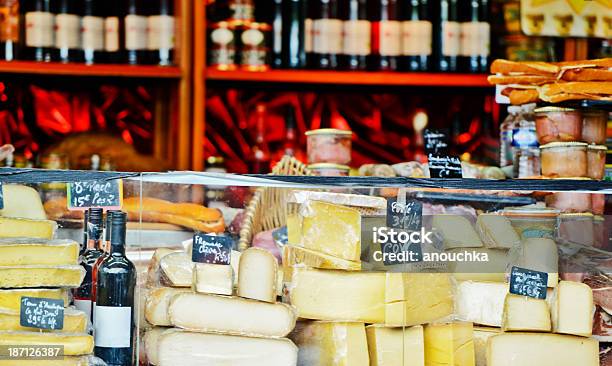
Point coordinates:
pixel 32 264
pixel 202 323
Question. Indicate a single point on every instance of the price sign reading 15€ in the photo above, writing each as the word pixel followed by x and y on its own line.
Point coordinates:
pixel 103 194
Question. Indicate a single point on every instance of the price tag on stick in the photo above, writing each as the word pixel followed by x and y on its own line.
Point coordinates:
pixel 213 249
pixel 528 283
pixel 407 215
pixel 103 194
pixel 41 313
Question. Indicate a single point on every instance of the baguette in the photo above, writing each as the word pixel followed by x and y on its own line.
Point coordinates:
pixel 191 210
pixel 523 96
pixel 506 67
pixel 217 226
pixel 520 79
pixel 580 64
pixel 600 88
pixel 587 75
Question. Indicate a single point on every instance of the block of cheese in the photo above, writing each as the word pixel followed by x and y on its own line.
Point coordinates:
pixel 64 361
pixel 231 315
pixel 197 349
pixel 571 309
pixel 41 276
pixel 396 346
pixel 298 256
pixel 481 302
pixel 540 254
pixel 395 287
pixel 257 275
pixel 450 344
pixel 331 343
pixel 25 251
pixel 75 321
pixel 157 304
pixel 26 228
pixel 496 231
pixel 176 270
pixel 429 297
pixel 11 299
pixel 154 270
pixel 75 344
pixel 522 313
pixel 481 337
pixel 344 199
pixel 326 295
pixel 492 270
pixel 213 278
pixel 151 344
pixel 331 229
pixel 22 202
pixel 294 228
pixel 235 263
pixel 456 230
pixel 541 349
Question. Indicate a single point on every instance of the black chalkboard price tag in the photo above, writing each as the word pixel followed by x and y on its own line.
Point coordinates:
pixel 103 194
pixel 444 166
pixel 528 283
pixel 1 197
pixel 406 216
pixel 213 249
pixel 435 141
pixel 41 313
pixel 281 236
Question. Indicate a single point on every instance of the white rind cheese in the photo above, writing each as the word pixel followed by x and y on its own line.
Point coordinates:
pixel 176 270
pixel 522 313
pixel 571 309
pixel 481 302
pixel 158 303
pixel 257 275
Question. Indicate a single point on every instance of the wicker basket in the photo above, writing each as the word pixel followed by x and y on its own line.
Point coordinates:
pixel 268 207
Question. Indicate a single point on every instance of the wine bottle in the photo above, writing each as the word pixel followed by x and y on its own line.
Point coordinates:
pixel 83 294
pixel 475 36
pixel 114 321
pixel 161 33
pixel 260 153
pixel 105 252
pixel 416 35
pixel 39 30
pixel 83 246
pixel 92 36
pixel 277 34
pixel 356 28
pixel 136 23
pixel 293 35
pixel 446 31
pixel 326 35
pixel 386 35
pixel 68 31
pixel 114 31
pixel 9 30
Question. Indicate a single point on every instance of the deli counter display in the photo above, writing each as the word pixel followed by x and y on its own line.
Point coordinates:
pixel 188 268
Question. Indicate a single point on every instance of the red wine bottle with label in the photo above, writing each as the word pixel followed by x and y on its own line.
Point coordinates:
pixel 68 31
pixel 446 32
pixel 386 35
pixel 114 31
pixel 39 22
pixel 326 34
pixel 161 32
pixel 114 327
pixel 106 251
pixel 475 36
pixel 416 35
pixel 356 38
pixel 92 32
pixel 293 34
pixel 136 23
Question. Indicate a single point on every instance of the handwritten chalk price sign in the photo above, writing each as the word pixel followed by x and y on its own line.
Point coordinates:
pixel 436 141
pixel 213 249
pixel 406 216
pixel 41 313
pixel 444 166
pixel 528 283
pixel 101 194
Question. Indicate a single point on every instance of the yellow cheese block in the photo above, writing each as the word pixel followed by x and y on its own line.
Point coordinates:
pixel 338 295
pixel 496 231
pixel 41 276
pixel 395 287
pixel 23 202
pixel 526 314
pixel 481 336
pixel 396 346
pixel 25 251
pixel 571 309
pixel 298 256
pixel 493 270
pixel 11 299
pixel 75 321
pixel 450 344
pixel 331 229
pixel 294 228
pixel 64 361
pixel 456 230
pixel 331 344
pixel 20 228
pixel 75 344
pixel 541 349
pixel 429 297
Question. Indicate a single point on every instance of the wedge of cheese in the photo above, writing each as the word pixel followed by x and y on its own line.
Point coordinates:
pixel 331 343
pixel 151 344
pixel 325 295
pixel 331 229
pixel 428 298
pixel 75 344
pixel 481 337
pixel 213 278
pixel 450 344
pixel 26 228
pixel 540 254
pixel 11 299
pixel 257 275
pixel 571 309
pixel 481 302
pixel 298 256
pixel 231 315
pixel 158 303
pixel 197 349
pixel 22 202
pixel 496 231
pixel 176 270
pixel 154 271
pixel 396 346
pixel 64 361
pixel 25 251
pixel 456 230
pixel 541 349
pixel 75 321
pixel 522 313
pixel 492 270
pixel 41 276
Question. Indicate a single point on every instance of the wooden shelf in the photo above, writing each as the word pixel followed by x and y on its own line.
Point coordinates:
pixel 351 78
pixel 100 70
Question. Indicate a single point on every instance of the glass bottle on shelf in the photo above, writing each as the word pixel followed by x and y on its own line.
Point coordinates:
pixel 277 34
pixel 39 22
pixel 114 31
pixel 260 153
pixel 161 32
pixel 446 32
pixel 293 34
pixel 475 36
pixel 526 151
pixel 386 35
pixel 136 23
pixel 356 34
pixel 92 32
pixel 505 140
pixel 68 46
pixel 326 35
pixel 416 35
pixel 9 30
pixel 291 144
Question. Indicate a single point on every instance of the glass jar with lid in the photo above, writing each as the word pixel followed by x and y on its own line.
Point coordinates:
pixel 556 124
pixel 564 159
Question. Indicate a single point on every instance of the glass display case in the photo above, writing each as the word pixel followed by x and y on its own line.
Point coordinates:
pixel 190 268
